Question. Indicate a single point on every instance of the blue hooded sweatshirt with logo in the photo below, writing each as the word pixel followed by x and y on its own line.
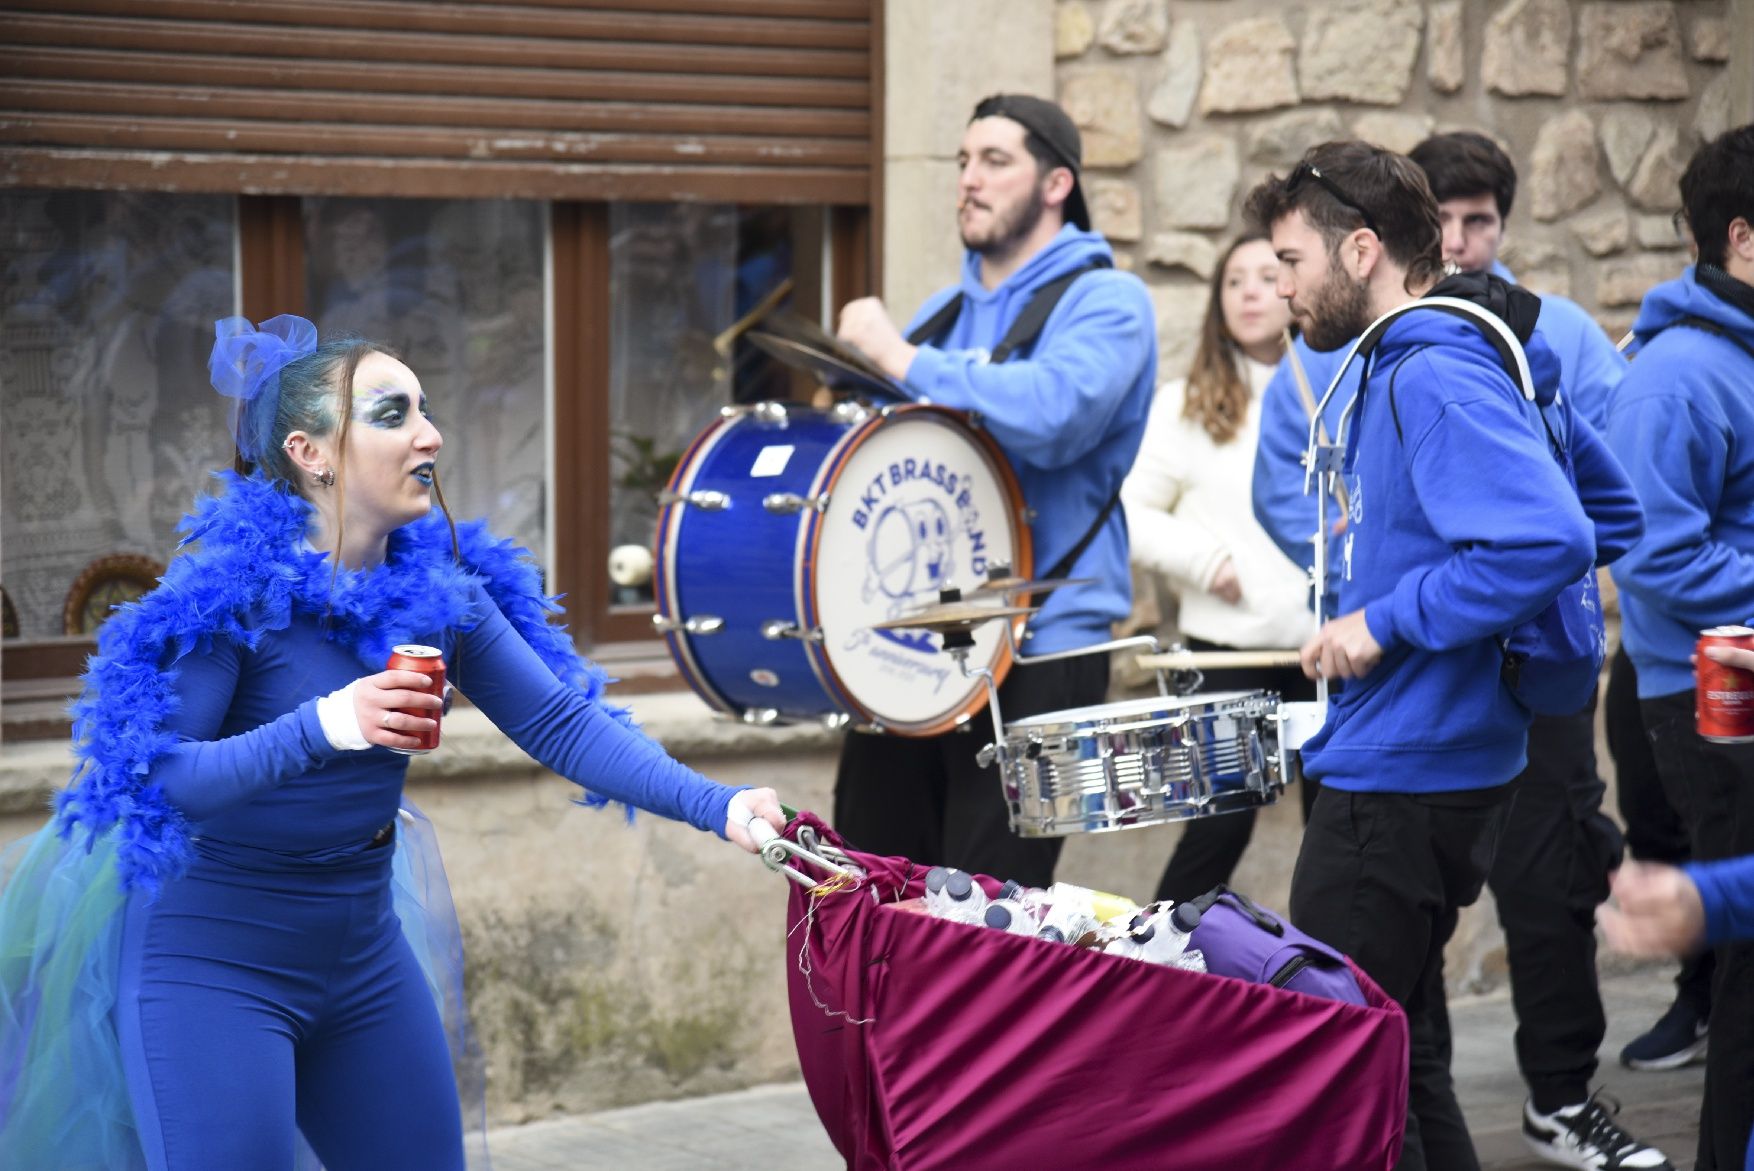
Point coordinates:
pixel 1069 412
pixel 1590 369
pixel 1461 525
pixel 1683 425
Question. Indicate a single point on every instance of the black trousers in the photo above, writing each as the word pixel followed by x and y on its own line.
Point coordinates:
pixel 1210 847
pixel 1712 787
pixel 1382 877
pixel 1654 831
pixel 1551 870
pixel 927 799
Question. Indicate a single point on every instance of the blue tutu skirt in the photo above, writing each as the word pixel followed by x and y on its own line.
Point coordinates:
pixel 62 1087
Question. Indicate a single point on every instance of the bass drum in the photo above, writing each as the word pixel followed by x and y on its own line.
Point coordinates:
pixel 786 532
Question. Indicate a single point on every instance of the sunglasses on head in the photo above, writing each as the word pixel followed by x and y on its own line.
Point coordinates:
pixel 1309 171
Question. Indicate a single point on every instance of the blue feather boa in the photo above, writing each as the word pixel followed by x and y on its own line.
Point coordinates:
pixel 243 571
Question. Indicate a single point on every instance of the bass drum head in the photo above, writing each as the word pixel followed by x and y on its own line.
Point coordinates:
pixel 917 502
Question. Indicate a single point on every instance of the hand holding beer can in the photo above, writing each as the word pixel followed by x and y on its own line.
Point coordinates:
pixel 429 662
pixel 1724 707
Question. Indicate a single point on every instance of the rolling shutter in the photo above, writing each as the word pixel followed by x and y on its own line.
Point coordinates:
pixel 737 100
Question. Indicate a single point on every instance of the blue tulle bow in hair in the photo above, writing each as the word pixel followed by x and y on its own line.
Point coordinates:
pixel 246 361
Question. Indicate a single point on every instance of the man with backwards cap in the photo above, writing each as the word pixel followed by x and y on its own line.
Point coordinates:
pixel 1068 406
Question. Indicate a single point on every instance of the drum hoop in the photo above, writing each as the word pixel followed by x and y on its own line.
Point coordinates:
pixel 1132 722
pixel 1023 561
pixel 664 543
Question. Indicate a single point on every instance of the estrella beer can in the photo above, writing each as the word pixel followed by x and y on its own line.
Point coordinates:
pixel 1725 705
pixel 429 662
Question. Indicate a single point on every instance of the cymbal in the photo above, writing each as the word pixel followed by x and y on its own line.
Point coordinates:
pixel 1024 585
pixel 835 371
pixel 953 616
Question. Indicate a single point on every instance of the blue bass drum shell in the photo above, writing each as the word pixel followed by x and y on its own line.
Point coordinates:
pixel 788 531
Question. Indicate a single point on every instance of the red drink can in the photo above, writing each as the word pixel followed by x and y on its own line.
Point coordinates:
pixel 429 662
pixel 1725 706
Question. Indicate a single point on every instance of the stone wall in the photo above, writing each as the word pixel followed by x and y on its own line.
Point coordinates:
pixel 1185 105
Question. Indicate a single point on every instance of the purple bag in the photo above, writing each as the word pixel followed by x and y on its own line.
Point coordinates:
pixel 1242 939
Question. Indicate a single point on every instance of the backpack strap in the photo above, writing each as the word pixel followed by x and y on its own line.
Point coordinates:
pixel 1712 327
pixel 1024 329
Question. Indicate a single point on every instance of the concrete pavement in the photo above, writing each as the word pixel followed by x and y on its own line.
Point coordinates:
pixel 774 1128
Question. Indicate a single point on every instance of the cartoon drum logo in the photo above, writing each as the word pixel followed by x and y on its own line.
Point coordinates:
pixel 909 550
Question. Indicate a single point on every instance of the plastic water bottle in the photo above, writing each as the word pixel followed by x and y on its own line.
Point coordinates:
pixel 1010 916
pixel 959 898
pixel 1068 920
pixel 1163 936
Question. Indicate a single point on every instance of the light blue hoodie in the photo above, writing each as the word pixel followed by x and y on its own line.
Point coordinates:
pixel 1590 369
pixel 1068 411
pixel 1682 423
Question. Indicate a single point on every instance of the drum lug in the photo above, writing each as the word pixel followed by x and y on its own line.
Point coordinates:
pixel 699 624
pixel 789 502
pixel 836 721
pixel 761 717
pixel 705 499
pixel 769 412
pixel 986 755
pixel 850 412
pixel 778 628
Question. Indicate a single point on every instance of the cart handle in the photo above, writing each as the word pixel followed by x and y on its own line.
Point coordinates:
pixel 777 852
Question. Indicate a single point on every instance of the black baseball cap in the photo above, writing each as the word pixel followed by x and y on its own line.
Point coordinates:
pixel 1055 129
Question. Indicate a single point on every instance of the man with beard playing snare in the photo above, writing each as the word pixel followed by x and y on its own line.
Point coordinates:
pixel 1461 525
pixel 1067 404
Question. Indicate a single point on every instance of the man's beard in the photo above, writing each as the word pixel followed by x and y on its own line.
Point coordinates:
pixel 1008 231
pixel 1337 314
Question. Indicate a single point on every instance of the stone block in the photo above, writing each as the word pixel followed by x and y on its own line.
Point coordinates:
pixel 1626 132
pixel 1177 77
pixel 1196 177
pixel 1547 282
pixel 1712 117
pixel 1104 102
pixel 1527 46
pixel 1626 281
pixel 1282 138
pixel 1185 250
pixel 1603 231
pixel 1360 51
pixel 1658 233
pixel 1563 165
pixel 1656 184
pixel 1074 29
pixel 1630 51
pixel 1711 39
pixel 1249 67
pixel 1530 251
pixel 921 249
pixel 1396 132
pixel 1115 208
pixel 1181 307
pixel 1133 26
pixel 1445 52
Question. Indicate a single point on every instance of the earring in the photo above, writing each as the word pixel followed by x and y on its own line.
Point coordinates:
pixel 326 477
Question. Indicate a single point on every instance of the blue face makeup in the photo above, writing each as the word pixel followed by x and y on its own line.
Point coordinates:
pixel 384 407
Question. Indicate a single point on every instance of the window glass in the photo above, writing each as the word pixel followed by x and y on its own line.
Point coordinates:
pixel 680 275
pixel 107 307
pixel 455 287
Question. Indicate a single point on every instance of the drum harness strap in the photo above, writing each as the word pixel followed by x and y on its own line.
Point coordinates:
pixel 1023 332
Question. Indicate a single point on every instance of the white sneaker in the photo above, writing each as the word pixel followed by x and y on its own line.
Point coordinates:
pixel 1587 1137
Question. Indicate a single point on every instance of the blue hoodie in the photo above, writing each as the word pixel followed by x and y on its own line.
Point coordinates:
pixel 1461 525
pixel 1683 425
pixel 1726 889
pixel 1069 413
pixel 1590 369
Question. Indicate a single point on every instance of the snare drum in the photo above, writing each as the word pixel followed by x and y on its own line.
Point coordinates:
pixel 1142 762
pixel 786 532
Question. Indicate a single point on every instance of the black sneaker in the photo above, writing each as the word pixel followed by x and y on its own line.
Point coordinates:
pixel 1678 1039
pixel 1586 1136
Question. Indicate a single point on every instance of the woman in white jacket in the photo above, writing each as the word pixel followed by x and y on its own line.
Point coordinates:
pixel 1190 518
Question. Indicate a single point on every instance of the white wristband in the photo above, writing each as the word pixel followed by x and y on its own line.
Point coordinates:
pixel 739 813
pixel 340 724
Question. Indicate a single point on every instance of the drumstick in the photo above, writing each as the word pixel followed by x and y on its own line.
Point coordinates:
pixel 1217 660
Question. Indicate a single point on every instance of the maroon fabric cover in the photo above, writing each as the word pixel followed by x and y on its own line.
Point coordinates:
pixel 988 1050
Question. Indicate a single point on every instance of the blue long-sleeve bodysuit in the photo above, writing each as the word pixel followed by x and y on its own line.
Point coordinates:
pixel 271 986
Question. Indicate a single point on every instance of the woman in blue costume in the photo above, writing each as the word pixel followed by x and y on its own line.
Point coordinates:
pixel 207 964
